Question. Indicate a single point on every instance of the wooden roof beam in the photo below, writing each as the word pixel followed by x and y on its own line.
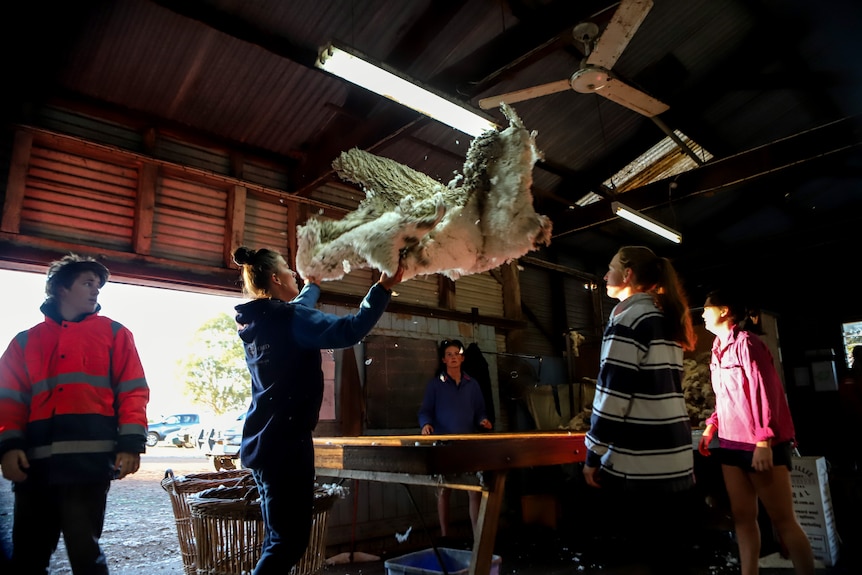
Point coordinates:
pixel 793 151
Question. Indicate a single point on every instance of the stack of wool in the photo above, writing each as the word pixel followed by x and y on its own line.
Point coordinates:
pixel 697 388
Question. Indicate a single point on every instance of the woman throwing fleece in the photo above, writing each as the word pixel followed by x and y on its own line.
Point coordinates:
pixel 755 434
pixel 282 332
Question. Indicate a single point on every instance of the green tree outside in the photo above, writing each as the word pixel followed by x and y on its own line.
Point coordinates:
pixel 852 332
pixel 215 372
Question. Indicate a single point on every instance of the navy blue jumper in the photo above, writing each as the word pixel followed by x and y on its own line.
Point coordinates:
pixel 450 407
pixel 282 342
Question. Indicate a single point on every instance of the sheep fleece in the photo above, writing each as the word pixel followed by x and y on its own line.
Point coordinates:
pixel 483 218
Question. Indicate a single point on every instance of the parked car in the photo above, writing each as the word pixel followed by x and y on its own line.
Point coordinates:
pixel 223 445
pixel 160 430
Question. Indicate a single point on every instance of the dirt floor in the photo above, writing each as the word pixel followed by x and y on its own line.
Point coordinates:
pixel 140 535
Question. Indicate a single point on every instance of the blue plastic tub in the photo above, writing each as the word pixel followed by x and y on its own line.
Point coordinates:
pixel 456 561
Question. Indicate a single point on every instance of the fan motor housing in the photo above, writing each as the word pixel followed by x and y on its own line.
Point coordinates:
pixel 590 79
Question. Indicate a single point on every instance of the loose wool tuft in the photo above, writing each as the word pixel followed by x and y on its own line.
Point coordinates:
pixel 483 218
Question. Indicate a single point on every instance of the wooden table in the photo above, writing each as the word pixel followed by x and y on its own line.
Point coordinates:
pixel 442 460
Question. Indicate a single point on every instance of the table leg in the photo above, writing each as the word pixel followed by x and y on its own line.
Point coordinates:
pixel 486 523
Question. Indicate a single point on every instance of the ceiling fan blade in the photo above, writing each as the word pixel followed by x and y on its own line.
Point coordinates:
pixel 632 98
pixel 619 32
pixel 525 94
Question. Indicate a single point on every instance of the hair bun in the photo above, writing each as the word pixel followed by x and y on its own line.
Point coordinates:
pixel 243 255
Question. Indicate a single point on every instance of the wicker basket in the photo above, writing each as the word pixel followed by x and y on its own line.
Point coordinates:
pixel 229 531
pixel 180 487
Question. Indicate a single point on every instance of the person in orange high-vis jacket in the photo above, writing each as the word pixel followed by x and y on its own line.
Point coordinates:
pixel 73 416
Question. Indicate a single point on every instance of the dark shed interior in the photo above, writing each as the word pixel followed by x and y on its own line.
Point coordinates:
pixel 161 134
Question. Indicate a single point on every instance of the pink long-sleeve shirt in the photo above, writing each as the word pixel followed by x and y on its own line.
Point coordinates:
pixel 750 404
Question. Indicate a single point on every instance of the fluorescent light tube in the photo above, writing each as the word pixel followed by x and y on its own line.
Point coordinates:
pixel 359 70
pixel 645 222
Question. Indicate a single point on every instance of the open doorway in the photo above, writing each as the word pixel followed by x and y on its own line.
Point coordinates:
pixel 163 322
pixel 852 336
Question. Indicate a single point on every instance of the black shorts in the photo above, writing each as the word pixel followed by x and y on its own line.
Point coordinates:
pixel 781 455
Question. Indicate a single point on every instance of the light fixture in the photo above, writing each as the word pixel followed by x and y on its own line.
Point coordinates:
pixel 357 68
pixel 643 221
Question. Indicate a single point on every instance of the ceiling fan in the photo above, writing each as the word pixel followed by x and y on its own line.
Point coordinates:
pixel 594 75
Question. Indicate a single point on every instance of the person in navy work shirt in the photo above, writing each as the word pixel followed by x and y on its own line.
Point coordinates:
pixel 282 334
pixel 453 404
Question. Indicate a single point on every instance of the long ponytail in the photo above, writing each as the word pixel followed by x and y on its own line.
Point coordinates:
pixel 656 275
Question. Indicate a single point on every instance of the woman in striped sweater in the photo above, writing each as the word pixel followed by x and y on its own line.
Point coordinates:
pixel 640 444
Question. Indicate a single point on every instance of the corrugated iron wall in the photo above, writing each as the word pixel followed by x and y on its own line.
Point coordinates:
pixel 188 154
pixel 537 337
pixel 266 223
pixel 70 197
pixel 580 312
pixel 356 282
pixel 94 129
pixel 419 290
pixel 480 291
pixel 190 221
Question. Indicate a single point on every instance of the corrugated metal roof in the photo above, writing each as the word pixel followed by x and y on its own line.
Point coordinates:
pixel 737 74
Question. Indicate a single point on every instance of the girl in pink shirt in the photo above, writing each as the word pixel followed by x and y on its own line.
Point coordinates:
pixel 755 434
